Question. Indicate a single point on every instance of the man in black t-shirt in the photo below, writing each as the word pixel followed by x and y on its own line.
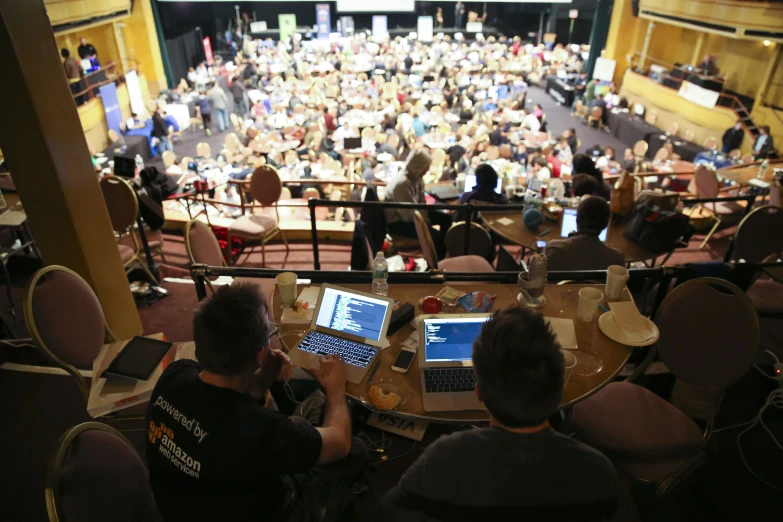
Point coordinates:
pixel 519 468
pixel 215 452
pixel 86 50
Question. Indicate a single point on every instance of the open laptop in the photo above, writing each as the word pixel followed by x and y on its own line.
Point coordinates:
pixel 569 224
pixel 349 323
pixel 445 349
pixel 444 192
pixel 470 183
pixel 352 143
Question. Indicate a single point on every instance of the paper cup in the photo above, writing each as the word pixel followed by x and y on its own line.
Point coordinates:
pixel 510 191
pixel 616 278
pixel 286 284
pixel 570 363
pixel 589 299
pixel 460 182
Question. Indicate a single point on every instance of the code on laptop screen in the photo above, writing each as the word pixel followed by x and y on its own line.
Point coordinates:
pixel 352 314
pixel 451 339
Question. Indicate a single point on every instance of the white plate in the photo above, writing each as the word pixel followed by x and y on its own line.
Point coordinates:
pixel 610 329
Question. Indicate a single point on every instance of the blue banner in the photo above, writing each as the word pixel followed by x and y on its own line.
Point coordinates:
pixel 323 21
pixel 111 106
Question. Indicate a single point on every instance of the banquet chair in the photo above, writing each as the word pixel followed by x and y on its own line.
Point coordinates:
pixel 674 127
pixel 183 165
pixel 735 154
pixel 115 138
pixel 646 436
pixel 227 155
pixel 468 263
pixel 123 208
pixel 311 193
pixel 202 247
pixel 95 474
pixel 368 133
pixel 436 109
pixel 235 121
pixel 66 321
pixel 707 186
pixel 493 152
pixel 285 193
pixel 169 159
pixel 651 117
pixel 640 149
pixel 196 122
pixel 596 116
pixel 231 142
pixel 203 150
pixel 661 155
pixel 688 135
pixel 444 128
pixel 578 108
pixel 753 241
pixel 747 158
pixel 711 143
pixel 265 188
pixel 480 241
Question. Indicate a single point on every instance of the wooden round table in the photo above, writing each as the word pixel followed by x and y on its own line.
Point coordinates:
pixel 516 232
pixel 562 302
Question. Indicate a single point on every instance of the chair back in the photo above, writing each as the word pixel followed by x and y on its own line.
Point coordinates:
pixel 114 136
pixel 480 240
pixel 747 158
pixel 201 244
pixel 169 159
pixel 265 185
pixel 368 133
pixel 65 318
pixel 652 116
pixel 709 332
pixel 425 241
pixel 673 128
pixel 661 155
pixel 394 140
pixel 688 135
pixel 95 474
pixel 121 201
pixel 596 113
pixel 754 240
pixel 203 150
pixel 227 155
pixel 735 154
pixel 285 193
pixel 706 182
pixel 711 143
pixel 493 152
pixel 444 128
pixel 640 148
pixel 311 193
pixel 235 121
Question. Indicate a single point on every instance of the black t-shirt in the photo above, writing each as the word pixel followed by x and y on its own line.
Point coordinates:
pixel 216 454
pixel 408 63
pixel 491 474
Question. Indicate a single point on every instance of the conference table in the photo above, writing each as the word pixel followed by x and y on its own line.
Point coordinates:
pixel 743 175
pixel 133 145
pixel 629 128
pixel 687 150
pixel 599 359
pixel 561 91
pixel 145 132
pixel 715 158
pixel 509 226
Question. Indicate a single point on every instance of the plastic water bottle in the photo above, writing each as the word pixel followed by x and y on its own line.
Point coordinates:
pixel 763 169
pixel 380 272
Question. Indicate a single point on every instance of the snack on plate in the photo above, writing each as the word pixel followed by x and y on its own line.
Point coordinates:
pixel 300 308
pixel 383 400
pixel 480 302
pixel 450 296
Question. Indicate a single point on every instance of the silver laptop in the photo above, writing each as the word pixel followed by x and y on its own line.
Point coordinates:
pixel 445 350
pixel 349 323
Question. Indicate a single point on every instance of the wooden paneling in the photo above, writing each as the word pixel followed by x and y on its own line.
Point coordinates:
pixel 760 16
pixel 69 11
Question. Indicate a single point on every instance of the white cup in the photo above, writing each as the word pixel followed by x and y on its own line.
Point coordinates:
pixel 460 182
pixel 616 278
pixel 589 299
pixel 570 363
pixel 510 191
pixel 286 284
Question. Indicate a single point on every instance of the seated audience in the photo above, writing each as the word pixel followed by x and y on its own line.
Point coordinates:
pixel 518 468
pixel 245 461
pixel 584 164
pixel 583 185
pixel 484 191
pixel 408 187
pixel 583 250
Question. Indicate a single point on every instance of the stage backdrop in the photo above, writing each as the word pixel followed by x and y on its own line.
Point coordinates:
pixel 185 51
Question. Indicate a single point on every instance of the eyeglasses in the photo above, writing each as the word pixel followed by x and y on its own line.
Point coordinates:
pixel 275 330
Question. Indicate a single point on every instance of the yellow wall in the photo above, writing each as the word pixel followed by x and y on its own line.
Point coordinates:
pixel 141 42
pixel 65 11
pixel 101 37
pixel 756 15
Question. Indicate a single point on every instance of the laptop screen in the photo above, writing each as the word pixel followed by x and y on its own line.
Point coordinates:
pixel 352 314
pixel 451 339
pixel 569 224
pixel 352 143
pixel 470 183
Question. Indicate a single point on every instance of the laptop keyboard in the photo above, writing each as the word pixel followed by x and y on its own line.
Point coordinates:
pixel 352 352
pixel 447 380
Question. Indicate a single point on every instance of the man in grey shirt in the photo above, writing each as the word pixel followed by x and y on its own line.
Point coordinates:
pixel 584 250
pixel 220 104
pixel 519 468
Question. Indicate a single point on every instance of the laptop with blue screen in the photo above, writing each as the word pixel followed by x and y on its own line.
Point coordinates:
pixel 348 323
pixel 445 361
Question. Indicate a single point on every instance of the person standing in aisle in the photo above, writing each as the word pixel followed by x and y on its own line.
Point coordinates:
pixel 220 104
pixel 205 108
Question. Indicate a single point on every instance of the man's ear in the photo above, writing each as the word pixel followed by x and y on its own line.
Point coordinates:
pixel 478 393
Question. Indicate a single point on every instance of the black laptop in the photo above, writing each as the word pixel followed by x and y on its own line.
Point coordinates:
pixel 444 192
pixel 352 143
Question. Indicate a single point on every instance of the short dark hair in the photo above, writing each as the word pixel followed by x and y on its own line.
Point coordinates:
pixel 230 328
pixel 584 185
pixel 519 367
pixel 765 128
pixel 593 215
pixel 486 176
pixel 65 53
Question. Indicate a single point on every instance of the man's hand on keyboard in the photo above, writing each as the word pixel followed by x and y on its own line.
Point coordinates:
pixel 332 374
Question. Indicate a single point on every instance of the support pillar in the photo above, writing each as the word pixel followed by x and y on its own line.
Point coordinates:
pixel 769 72
pixel 696 58
pixel 646 45
pixel 47 154
pixel 601 21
